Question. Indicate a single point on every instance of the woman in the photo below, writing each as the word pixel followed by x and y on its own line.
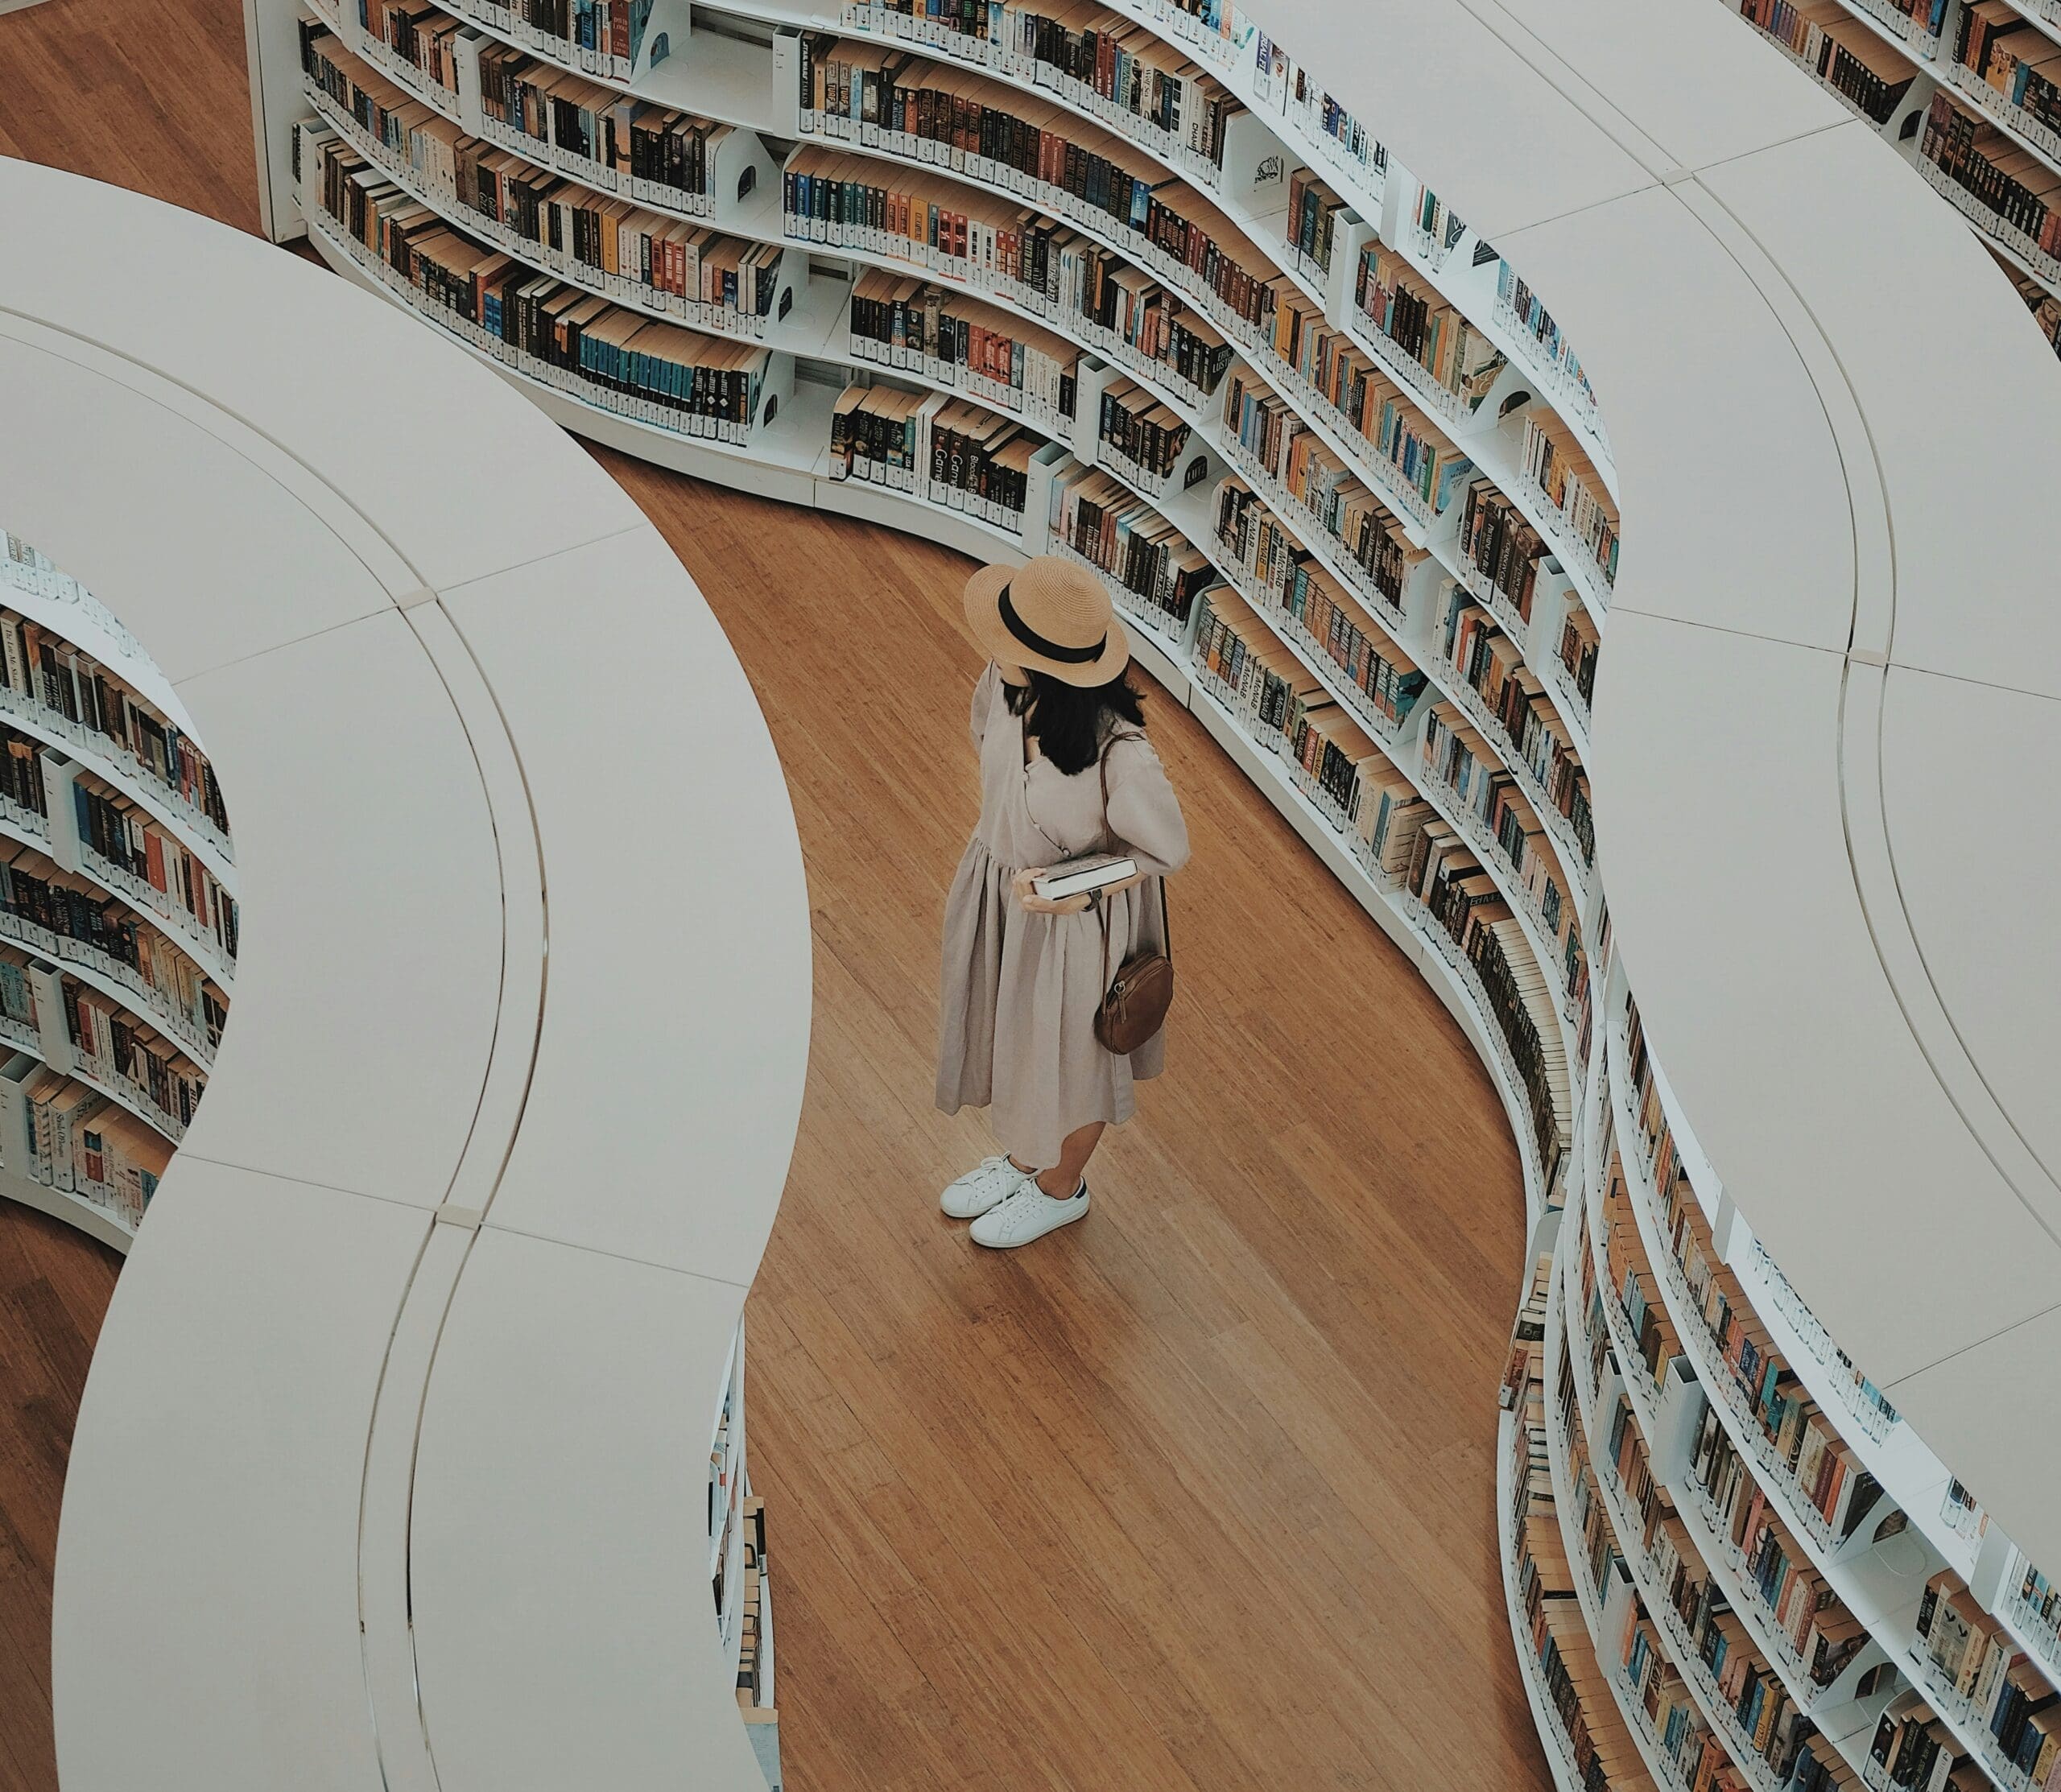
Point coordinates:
pixel 1024 976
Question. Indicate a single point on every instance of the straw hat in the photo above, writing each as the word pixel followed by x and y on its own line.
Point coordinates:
pixel 1050 614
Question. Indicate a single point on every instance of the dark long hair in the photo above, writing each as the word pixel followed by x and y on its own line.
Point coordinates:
pixel 1070 721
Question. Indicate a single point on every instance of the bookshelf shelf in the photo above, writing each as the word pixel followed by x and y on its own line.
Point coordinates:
pixel 1880 1576
pixel 1560 1748
pixel 1847 1721
pixel 1663 1770
pixel 1717 1711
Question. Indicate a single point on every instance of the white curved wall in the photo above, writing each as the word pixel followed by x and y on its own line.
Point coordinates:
pixel 396 1426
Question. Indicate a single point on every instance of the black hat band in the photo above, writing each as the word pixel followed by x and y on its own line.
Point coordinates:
pixel 1037 644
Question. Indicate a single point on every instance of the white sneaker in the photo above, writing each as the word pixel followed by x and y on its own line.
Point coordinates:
pixel 985 1186
pixel 1027 1214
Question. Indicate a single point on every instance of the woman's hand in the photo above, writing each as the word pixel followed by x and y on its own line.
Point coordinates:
pixel 1021 887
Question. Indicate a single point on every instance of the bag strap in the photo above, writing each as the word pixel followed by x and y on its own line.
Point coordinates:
pixel 1102 909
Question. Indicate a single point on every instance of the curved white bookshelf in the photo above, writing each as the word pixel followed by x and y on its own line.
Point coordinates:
pixel 1777 666
pixel 1848 1722
pixel 383 1502
pixel 45 1164
pixel 795 444
pixel 1932 61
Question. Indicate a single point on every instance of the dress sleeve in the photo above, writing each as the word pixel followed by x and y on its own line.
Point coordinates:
pixel 987 693
pixel 1144 813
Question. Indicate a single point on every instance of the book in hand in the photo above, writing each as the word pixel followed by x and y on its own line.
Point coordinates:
pixel 1077 877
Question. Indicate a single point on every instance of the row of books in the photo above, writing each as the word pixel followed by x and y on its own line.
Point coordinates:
pixel 18 998
pixel 948 450
pixel 751 1617
pixel 1454 352
pixel 915 326
pixel 1446 877
pixel 1843 54
pixel 143 1069
pixel 2010 191
pixel 1578 654
pixel 1914 1750
pixel 1020 253
pixel 1820 1632
pixel 1563 475
pixel 1153 569
pixel 1549 349
pixel 74 918
pixel 1096 59
pixel 1500 548
pixel 1285 708
pixel 415 33
pixel 63 688
pixel 1315 213
pixel 1284 578
pixel 2003 52
pixel 600 37
pixel 2035 1603
pixel 621 360
pixel 23 794
pixel 57 1131
pixel 150 863
pixel 1764 1718
pixel 953 119
pixel 552 221
pixel 1456 755
pixel 886 96
pixel 1821 1768
pixel 1341 376
pixel 1813 1470
pixel 651 152
pixel 1147 437
pixel 1491 665
pixel 1994 1681
pixel 1679 1732
pixel 1625 1272
pixel 1600 1748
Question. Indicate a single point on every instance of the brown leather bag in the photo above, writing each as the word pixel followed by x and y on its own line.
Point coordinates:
pixel 1135 1009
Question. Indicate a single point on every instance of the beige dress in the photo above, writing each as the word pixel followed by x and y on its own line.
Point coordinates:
pixel 1019 991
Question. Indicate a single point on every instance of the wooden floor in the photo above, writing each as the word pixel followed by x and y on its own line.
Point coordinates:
pixel 1196 1494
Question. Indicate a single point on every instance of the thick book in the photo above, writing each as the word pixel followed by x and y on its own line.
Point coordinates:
pixel 1077 877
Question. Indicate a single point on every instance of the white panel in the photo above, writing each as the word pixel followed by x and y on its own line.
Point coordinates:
pixel 195 593
pixel 370 971
pixel 1754 538
pixel 291 358
pixel 1957 441
pixel 1999 1404
pixel 1675 71
pixel 678 986
pixel 565 1632
pixel 1498 141
pixel 1993 962
pixel 205 1635
pixel 1746 946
